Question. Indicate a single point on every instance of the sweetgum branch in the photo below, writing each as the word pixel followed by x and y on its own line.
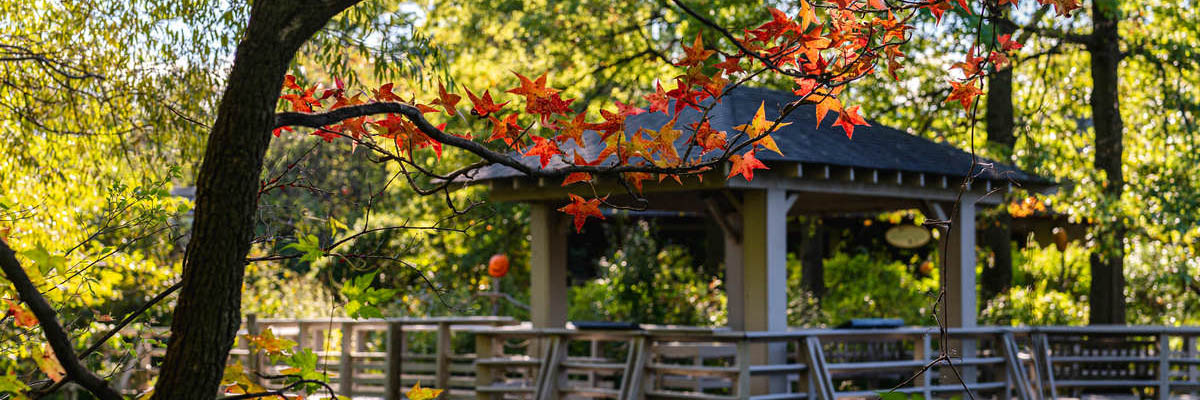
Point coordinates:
pixel 318 120
pixel 55 335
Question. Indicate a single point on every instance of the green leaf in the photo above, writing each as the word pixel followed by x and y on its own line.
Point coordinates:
pixel 42 258
pixel 10 384
pixel 310 245
pixel 887 395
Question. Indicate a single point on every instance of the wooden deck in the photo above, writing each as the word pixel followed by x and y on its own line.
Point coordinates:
pixel 499 358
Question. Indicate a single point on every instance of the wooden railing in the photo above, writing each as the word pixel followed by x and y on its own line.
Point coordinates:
pixel 1163 360
pixel 380 357
pixel 717 364
pixel 496 358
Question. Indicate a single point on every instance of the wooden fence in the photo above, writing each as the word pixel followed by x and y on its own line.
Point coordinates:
pixel 498 358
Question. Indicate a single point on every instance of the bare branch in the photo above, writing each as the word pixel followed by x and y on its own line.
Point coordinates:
pixel 55 335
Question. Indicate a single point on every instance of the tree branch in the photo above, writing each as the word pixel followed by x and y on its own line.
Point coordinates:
pixel 55 335
pixel 318 120
pixel 1069 37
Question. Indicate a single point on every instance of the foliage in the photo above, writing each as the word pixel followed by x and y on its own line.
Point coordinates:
pixel 1049 288
pixel 1056 137
pixel 646 282
pixel 865 286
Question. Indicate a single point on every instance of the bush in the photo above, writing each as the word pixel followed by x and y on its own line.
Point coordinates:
pixel 643 282
pixel 862 286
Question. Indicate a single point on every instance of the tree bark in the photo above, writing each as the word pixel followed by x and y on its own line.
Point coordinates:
pixel 812 260
pixel 208 313
pixel 1107 264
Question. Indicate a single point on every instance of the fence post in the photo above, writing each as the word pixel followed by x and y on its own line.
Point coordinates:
pixel 1164 366
pixel 346 374
pixel 743 362
pixel 1193 374
pixel 392 383
pixel 485 348
pixel 301 340
pixel 254 359
pixel 443 356
pixel 922 349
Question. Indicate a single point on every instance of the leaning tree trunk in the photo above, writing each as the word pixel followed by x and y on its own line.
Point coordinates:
pixel 997 235
pixel 1107 262
pixel 208 312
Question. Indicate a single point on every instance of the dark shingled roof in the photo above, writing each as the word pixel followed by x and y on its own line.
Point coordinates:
pixel 876 146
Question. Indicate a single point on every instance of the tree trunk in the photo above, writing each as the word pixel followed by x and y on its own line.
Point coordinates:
pixel 997 237
pixel 812 260
pixel 1107 264
pixel 208 313
pixel 996 278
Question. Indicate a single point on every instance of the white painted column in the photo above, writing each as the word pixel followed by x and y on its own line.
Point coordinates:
pixel 756 275
pixel 959 262
pixel 547 267
pixel 961 303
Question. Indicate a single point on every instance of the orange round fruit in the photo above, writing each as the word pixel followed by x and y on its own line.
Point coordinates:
pixel 498 266
pixel 926 267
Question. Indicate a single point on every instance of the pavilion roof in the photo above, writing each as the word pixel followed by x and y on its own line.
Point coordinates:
pixel 876 147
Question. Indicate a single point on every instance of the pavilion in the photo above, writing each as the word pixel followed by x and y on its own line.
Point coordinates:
pixel 820 171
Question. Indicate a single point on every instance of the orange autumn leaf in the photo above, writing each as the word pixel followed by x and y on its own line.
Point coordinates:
pixel 658 100
pixel 447 100
pixel 576 177
pixel 531 89
pixel 848 118
pixel 964 93
pixel 696 54
pixel 483 106
pixel 636 178
pixel 544 149
pixel 573 129
pixel 582 209
pixel 745 165
pixel 289 82
pixel 21 317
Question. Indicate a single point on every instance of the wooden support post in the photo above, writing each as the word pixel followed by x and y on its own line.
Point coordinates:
pixel 548 267
pixel 346 370
pixel 393 387
pixel 485 347
pixel 443 356
pixel 960 267
pixel 756 270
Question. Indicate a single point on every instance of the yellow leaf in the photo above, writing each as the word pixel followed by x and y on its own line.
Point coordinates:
pixel 270 344
pixel 48 363
pixel 419 393
pixel 759 126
